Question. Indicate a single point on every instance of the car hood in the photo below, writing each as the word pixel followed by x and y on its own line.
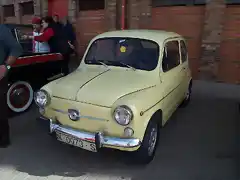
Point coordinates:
pixel 101 86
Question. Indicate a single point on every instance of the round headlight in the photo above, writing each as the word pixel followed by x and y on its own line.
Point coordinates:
pixel 123 115
pixel 42 98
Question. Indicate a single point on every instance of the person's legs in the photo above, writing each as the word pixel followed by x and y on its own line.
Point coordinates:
pixel 65 64
pixel 4 126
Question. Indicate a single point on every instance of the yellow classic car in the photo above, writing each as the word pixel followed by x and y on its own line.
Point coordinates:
pixel 126 88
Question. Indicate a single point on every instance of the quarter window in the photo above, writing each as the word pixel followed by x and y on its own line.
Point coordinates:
pixel 171 56
pixel 183 51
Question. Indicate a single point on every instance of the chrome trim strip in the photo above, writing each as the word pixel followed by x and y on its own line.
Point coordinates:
pixel 50 54
pixel 43 118
pixel 86 117
pixel 104 140
pixel 143 112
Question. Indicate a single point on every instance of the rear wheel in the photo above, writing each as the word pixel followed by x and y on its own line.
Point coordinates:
pixel 19 96
pixel 187 96
pixel 146 152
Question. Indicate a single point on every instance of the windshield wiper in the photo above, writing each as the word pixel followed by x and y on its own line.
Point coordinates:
pixel 127 65
pixel 102 63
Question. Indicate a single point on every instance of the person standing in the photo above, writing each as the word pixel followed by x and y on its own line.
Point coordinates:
pixel 56 39
pixel 57 21
pixel 69 31
pixel 10 50
pixel 39 47
pixel 72 41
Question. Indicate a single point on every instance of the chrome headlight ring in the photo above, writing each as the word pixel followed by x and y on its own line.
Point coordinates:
pixel 42 98
pixel 123 115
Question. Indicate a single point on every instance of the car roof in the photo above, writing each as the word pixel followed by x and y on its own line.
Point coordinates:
pixel 158 36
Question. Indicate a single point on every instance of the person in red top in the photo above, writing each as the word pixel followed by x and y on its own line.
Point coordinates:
pixel 47 34
pixel 39 47
pixel 56 39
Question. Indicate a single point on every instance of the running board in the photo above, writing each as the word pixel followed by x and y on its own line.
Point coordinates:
pixel 55 77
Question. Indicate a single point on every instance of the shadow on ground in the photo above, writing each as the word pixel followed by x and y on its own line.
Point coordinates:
pixel 199 143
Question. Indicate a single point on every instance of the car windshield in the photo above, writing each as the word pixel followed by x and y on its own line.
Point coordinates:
pixel 132 53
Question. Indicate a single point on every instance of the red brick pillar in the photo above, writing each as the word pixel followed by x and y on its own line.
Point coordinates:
pixel 110 14
pixel 72 11
pixel 134 14
pixel 1 15
pixel 145 14
pixel 140 12
pixel 211 39
pixel 44 7
pixel 18 13
pixel 37 8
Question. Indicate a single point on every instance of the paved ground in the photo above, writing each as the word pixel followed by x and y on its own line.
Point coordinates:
pixel 201 142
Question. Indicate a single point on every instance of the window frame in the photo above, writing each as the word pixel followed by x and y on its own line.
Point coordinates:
pixel 6 15
pixel 161 3
pixel 164 46
pixel 88 7
pixel 26 12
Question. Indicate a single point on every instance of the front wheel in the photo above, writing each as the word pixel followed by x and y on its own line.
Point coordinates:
pixel 146 152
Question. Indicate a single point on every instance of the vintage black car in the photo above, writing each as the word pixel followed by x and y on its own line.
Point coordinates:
pixel 30 71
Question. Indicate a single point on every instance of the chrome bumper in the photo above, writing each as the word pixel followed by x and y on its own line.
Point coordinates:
pixel 98 138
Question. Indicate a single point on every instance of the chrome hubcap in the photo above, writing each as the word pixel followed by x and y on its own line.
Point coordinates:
pixel 19 97
pixel 152 141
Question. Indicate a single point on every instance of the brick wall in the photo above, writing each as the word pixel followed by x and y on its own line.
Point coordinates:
pixel 229 63
pixel 187 21
pixel 91 23
pixel 215 25
pixel 88 25
pixel 19 17
pixel 211 39
pixel 139 14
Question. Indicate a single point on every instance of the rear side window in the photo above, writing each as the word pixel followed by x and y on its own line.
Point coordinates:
pixel 184 53
pixel 171 56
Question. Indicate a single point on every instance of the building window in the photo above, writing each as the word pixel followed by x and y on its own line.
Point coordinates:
pixel 8 11
pixel 27 8
pixel 178 2
pixel 88 5
pixel 157 3
pixel 232 1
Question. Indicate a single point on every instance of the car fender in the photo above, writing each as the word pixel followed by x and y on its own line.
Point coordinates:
pixel 143 104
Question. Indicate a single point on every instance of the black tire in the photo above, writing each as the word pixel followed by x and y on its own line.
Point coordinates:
pixel 188 96
pixel 145 154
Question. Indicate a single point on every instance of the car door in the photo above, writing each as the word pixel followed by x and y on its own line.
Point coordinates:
pixel 170 77
pixel 185 66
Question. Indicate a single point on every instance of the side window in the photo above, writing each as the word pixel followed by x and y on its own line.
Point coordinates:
pixel 171 56
pixel 184 53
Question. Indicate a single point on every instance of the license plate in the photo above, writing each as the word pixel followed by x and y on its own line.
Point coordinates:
pixel 75 141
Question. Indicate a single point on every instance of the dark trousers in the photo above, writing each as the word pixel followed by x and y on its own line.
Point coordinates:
pixel 4 126
pixel 65 64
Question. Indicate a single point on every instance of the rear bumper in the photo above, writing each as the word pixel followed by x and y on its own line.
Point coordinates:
pixel 98 138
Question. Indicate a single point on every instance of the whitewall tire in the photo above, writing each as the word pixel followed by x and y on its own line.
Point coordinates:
pixel 19 96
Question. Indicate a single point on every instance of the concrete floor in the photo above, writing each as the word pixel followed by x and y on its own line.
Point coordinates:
pixel 200 142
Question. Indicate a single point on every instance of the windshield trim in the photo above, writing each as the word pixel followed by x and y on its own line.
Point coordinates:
pixel 106 38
